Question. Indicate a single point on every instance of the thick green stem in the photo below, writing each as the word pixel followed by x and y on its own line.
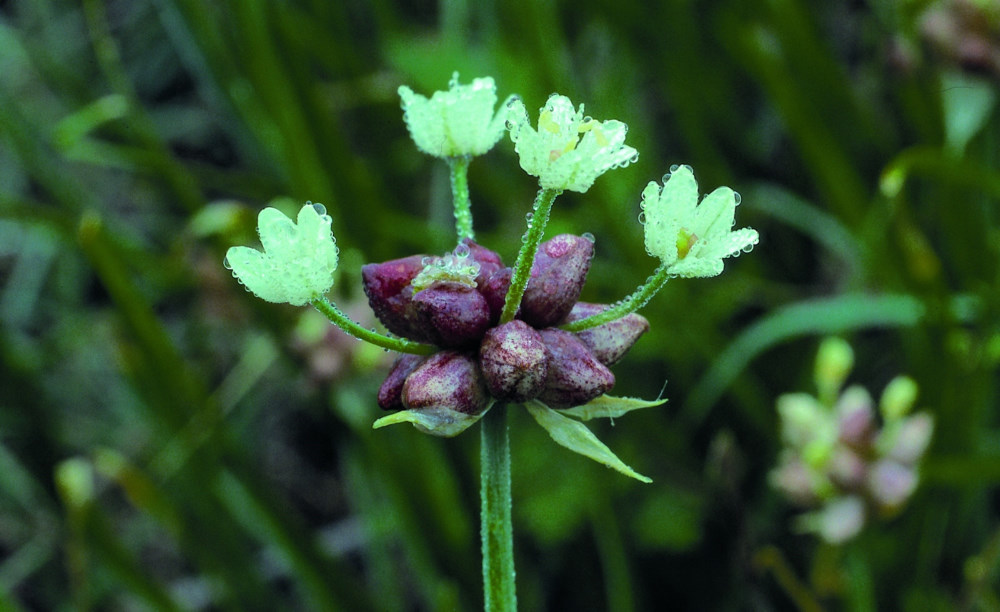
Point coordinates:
pixel 460 196
pixel 387 342
pixel 634 302
pixel 526 257
pixel 497 534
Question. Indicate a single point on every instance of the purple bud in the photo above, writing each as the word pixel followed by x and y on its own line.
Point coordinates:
pixel 557 276
pixel 495 291
pixel 489 261
pixel 452 314
pixel 447 380
pixel 891 483
pixel 575 376
pixel 512 357
pixel 391 392
pixel 608 342
pixel 387 286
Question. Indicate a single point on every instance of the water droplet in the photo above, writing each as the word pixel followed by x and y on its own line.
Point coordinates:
pixel 747 248
pixel 226 264
pixel 642 217
pixel 737 197
pixel 319 208
pixel 462 250
pixel 673 168
pixel 589 237
pixel 453 81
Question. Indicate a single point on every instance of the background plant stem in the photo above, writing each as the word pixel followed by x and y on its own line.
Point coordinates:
pixel 497 534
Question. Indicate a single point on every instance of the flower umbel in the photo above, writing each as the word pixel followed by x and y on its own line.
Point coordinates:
pixel 568 150
pixel 692 239
pixel 457 122
pixel 298 262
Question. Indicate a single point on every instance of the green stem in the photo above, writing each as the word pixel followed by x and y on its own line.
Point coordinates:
pixel 497 534
pixel 634 302
pixel 526 257
pixel 460 196
pixel 387 342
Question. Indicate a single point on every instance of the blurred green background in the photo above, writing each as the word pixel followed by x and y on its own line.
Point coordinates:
pixel 168 441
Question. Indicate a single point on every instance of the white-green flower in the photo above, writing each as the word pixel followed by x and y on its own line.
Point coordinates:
pixel 457 122
pixel 692 239
pixel 298 261
pixel 568 150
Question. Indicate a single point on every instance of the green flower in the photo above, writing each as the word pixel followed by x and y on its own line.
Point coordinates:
pixel 692 239
pixel 456 122
pixel 569 150
pixel 298 261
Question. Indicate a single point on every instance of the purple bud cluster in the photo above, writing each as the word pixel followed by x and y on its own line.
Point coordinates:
pixel 482 360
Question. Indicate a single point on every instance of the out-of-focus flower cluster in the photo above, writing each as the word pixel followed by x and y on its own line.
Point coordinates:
pixel 842 457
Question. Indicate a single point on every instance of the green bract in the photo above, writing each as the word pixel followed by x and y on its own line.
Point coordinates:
pixel 568 151
pixel 454 123
pixel 692 239
pixel 298 261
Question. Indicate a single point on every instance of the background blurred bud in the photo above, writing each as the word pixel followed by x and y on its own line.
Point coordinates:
pixel 898 398
pixel 802 418
pixel 513 361
pixel 838 521
pixel 856 416
pixel 890 484
pixel 910 438
pixel 833 363
pixel 795 479
pixel 846 469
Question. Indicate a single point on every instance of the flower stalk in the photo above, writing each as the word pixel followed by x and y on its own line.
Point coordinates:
pixel 459 167
pixel 526 256
pixel 341 320
pixel 499 592
pixel 632 303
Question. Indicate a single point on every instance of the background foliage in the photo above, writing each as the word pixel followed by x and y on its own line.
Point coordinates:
pixel 169 442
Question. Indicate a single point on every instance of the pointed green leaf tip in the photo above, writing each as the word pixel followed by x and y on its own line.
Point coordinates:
pixel 692 239
pixel 298 261
pixel 568 150
pixel 575 436
pixel 457 122
pixel 610 407
pixel 442 422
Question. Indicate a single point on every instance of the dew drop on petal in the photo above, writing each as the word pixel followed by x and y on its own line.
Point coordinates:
pixel 226 264
pixel 737 197
pixel 319 208
pixel 747 248
pixel 588 236
pixel 673 168
pixel 462 250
